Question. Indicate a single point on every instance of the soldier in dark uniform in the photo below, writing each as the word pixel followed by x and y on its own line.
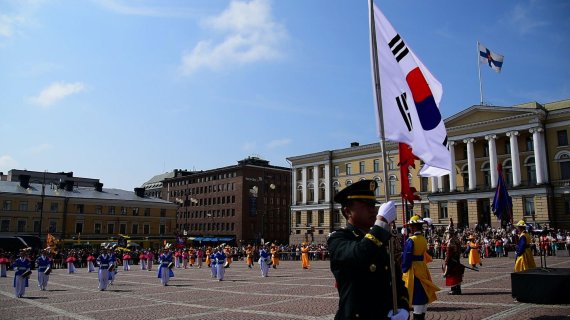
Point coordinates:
pixel 360 260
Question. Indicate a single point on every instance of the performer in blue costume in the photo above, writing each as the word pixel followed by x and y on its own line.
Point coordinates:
pixel 43 262
pixel 21 265
pixel 164 272
pixel 104 262
pixel 220 259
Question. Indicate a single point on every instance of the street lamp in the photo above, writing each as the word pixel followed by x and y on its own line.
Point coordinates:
pixel 42 206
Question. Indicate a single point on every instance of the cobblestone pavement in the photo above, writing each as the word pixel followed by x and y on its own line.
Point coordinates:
pixel 288 293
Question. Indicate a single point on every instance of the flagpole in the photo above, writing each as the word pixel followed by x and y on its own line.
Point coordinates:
pixel 479 68
pixel 376 72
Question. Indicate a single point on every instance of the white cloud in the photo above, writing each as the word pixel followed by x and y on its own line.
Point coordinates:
pixel 278 143
pixel 524 19
pixel 55 92
pixel 18 15
pixel 40 148
pixel 251 35
pixel 8 24
pixel 7 163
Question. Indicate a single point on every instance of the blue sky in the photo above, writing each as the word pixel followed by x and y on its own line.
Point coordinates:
pixel 124 90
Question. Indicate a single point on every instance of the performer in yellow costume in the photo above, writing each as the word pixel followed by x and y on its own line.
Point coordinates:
pixel 274 256
pixel 305 256
pixel 417 278
pixel 474 256
pixel 525 260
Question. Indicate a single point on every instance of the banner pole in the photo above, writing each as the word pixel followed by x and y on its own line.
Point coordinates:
pixel 376 72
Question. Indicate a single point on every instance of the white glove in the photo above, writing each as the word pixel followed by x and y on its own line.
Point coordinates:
pixel 388 211
pixel 402 314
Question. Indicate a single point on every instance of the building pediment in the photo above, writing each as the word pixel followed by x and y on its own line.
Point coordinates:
pixel 480 115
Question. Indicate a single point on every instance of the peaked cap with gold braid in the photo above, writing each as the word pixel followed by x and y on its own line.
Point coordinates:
pixel 362 190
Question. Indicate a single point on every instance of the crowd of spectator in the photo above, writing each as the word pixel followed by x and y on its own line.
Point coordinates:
pixel 494 242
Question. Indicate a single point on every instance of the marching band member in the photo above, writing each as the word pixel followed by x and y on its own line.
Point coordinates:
pixel 228 253
pixel 165 266
pixel 249 256
pixel 90 263
pixel 185 259
pixel 70 262
pixel 212 262
pixel 192 256
pixel 149 260
pixel 263 261
pixel 4 262
pixel 453 269
pixel 22 266
pixel 417 278
pixel 44 264
pixel 305 256
pixel 177 257
pixel 524 259
pixel 113 265
pixel 275 256
pixel 200 255
pixel 220 258
pixel 104 262
pixel 126 258
pixel 142 258
pixel 208 254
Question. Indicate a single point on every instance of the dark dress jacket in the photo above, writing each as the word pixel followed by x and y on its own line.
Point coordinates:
pixel 362 272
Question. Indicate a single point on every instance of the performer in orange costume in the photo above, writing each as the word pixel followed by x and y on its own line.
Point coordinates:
pixel 305 256
pixel 474 256
pixel 249 256
pixel 208 253
pixel 228 253
pixel 275 256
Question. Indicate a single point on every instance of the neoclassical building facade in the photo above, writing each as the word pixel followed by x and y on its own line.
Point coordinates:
pixel 530 141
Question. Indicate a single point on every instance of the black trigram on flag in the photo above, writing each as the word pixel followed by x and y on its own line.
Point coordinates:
pixel 404 111
pixel 398 47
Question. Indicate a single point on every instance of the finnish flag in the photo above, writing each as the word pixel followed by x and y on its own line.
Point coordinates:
pixel 494 60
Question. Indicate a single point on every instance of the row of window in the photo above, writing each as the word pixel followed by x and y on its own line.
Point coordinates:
pixel 562 136
pixel 21 226
pixel 79 208
pixel 219 226
pixel 209 214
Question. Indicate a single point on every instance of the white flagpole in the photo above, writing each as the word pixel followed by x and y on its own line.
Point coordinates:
pixel 376 72
pixel 479 68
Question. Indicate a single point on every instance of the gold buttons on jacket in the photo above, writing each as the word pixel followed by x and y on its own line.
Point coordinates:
pixel 372 268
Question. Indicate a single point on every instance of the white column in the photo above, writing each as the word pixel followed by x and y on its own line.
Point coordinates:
pixel 316 183
pixel 294 184
pixel 538 154
pixel 327 183
pixel 515 159
pixel 453 173
pixel 471 164
pixel 434 186
pixel 493 159
pixel 304 184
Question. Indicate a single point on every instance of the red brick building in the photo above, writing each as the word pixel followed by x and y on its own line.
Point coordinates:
pixel 244 203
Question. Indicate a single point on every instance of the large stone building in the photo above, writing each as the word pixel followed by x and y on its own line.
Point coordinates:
pixel 244 203
pixel 529 140
pixel 80 211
